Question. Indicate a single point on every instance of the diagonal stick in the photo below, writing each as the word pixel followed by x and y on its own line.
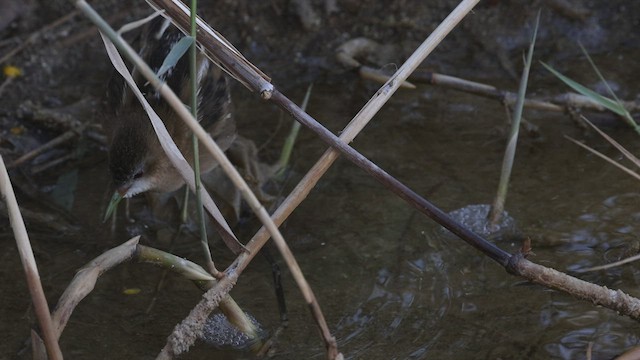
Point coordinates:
pixel 29 265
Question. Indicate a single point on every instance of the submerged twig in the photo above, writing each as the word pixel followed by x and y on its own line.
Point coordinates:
pixel 61 139
pixel 378 76
pixel 611 265
pixel 348 52
pixel 559 103
pixel 489 91
pixel 29 265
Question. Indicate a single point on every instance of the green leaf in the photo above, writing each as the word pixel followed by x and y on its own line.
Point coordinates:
pixel 113 205
pixel 177 51
pixel 602 100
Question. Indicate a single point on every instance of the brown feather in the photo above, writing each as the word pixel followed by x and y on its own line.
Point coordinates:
pixel 135 154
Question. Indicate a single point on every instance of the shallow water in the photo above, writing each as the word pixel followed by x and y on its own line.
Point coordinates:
pixel 391 283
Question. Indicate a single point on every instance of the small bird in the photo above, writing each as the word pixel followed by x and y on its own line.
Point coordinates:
pixel 136 160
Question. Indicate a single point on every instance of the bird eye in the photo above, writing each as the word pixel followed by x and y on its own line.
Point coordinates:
pixel 138 175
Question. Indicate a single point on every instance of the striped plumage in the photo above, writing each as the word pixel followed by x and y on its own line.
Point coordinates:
pixel 136 160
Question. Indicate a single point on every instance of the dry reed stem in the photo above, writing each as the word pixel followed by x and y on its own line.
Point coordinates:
pixel 533 272
pixel 61 139
pixel 86 278
pixel 616 300
pixel 558 103
pixel 354 127
pixel 489 91
pixel 29 265
pixel 378 76
pixel 611 265
pixel 245 72
pixel 233 272
pixel 202 279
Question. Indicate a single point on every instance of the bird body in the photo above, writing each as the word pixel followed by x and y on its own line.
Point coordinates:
pixel 136 160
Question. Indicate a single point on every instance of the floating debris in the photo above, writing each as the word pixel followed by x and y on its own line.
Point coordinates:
pixel 219 332
pixel 476 219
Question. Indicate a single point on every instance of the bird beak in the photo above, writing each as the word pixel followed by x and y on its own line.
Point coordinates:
pixel 113 204
pixel 122 191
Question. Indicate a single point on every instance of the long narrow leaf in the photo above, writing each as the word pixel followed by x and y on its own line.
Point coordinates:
pixel 626 115
pixel 605 157
pixel 177 51
pixel 602 100
pixel 617 145
pixel 600 76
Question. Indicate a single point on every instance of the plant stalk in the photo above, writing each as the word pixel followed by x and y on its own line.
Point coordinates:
pixel 497 208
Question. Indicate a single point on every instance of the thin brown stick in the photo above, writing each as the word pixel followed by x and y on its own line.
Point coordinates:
pixel 507 97
pixel 355 126
pixel 615 300
pixel 559 103
pixel 542 275
pixel 232 272
pixel 29 265
pixel 605 157
pixel 611 265
pixel 376 75
pixel 61 139
pixel 86 278
pixel 244 71
pixel 55 162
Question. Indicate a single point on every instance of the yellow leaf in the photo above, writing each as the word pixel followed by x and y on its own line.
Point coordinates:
pixel 131 291
pixel 11 71
pixel 17 130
